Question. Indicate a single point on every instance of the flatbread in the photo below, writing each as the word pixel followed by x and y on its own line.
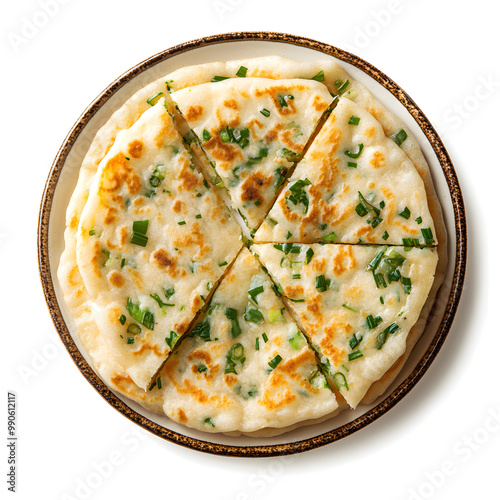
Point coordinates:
pixel 356 304
pixel 253 129
pixel 354 185
pixel 149 244
pixel 245 366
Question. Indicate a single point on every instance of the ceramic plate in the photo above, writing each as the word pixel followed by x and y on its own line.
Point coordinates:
pixel 63 177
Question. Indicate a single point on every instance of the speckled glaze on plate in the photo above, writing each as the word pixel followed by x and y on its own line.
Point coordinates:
pixel 62 179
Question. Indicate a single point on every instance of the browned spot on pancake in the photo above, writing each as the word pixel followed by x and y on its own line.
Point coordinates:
pixel 314 304
pixel 318 264
pixel 196 238
pixel 110 215
pixel 365 231
pixel 272 134
pixel 178 206
pixel 136 278
pixel 196 303
pixel 135 149
pixel 181 416
pixel 123 235
pixel 371 185
pixel 318 104
pixel 253 186
pixel 223 151
pixel 231 104
pixel 230 379
pixel 281 90
pixel 116 279
pixel 73 223
pixel 74 277
pixel 117 172
pixel 407 229
pixel 353 292
pixel 126 385
pixel 188 177
pixel 294 290
pixel 344 260
pixel 182 327
pixel 193 113
pixel 377 160
pixel 146 346
pixel 277 393
pixel 243 93
pixel 292 368
pixel 370 132
pixel 254 122
pixel 167 263
pixel 199 395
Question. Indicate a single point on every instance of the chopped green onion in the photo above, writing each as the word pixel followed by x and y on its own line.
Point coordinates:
pixel 182 223
pixel 140 226
pixel 255 291
pixel 376 260
pixel 257 346
pixel 232 315
pixel 382 336
pixel 405 213
pixel 354 341
pixel 399 137
pixel 144 317
pixel 209 420
pixel 322 284
pixel 202 329
pixel 279 179
pixel 219 78
pixel 418 220
pixel 159 301
pixel 355 355
pixel 319 77
pixel 354 155
pixel 223 263
pixel 406 285
pixel 354 120
pixel 343 381
pixel 352 164
pixel 299 194
pixel 275 361
pixel 253 315
pixel 130 340
pixel 385 235
pixel 373 322
pixel 361 210
pixel 309 255
pixel 264 336
pixel 153 100
pixel 296 276
pixel 345 306
pixel 282 100
pixel 288 234
pixel 330 238
pixel 265 112
pixel 122 319
pixel 242 72
pixel 206 135
pixel 296 340
pixel 171 340
pixel 379 280
pixel 134 329
pixel 157 176
pixel 275 315
pixel 427 234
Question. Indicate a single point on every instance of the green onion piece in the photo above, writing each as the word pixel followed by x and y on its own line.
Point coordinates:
pixel 242 72
pixel 376 222
pixel 427 234
pixel 257 346
pixel 379 280
pixel 223 263
pixel 406 285
pixel 354 341
pixel 367 206
pixel 265 112
pixel 341 86
pixel 144 317
pixel 156 297
pixel 296 341
pixel 299 194
pixel 253 315
pixel 352 164
pixel 418 220
pixel 361 210
pixel 340 380
pixel 157 176
pixel 275 315
pixel 373 322
pixel 171 340
pixel 168 292
pixel 153 100
pixel 322 284
pixel 282 100
pixel 376 260
pixel 209 420
pixel 224 135
pixel 385 235
pixel 288 234
pixel 382 336
pixel 255 291
pixel 275 361
pixel 264 336
pixel 393 275
pixel 355 355
pixel 319 77
pixel 206 135
pixel 399 137
pixel 202 329
pixel 140 226
pixel 296 276
pixel 330 238
pixel 182 223
pixel 244 143
pixel 296 300
pixel 279 179
pixel 219 78
pixel 122 319
pixel 232 315
pixel 237 353
pixel 382 204
pixel 354 155
pixel 309 255
pixel 202 368
pixel 345 306
pixel 405 213
pixel 354 120
pixel 277 289
pixel 134 329
pixel 130 340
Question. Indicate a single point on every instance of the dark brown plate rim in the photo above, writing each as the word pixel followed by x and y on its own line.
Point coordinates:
pixel 262 450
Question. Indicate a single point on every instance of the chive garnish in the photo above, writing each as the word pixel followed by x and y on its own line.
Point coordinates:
pixel 330 238
pixel 139 229
pixel 399 137
pixel 309 255
pixel 322 284
pixel 427 234
pixel 209 421
pixel 223 263
pixel 343 380
pixel 282 100
pixel 288 234
pixel 257 347
pixel 352 164
pixel 202 329
pixel 418 220
pixel 354 155
pixel 253 315
pixel 354 120
pixel 373 322
pixel 130 340
pixel 275 361
pixel 171 340
pixel 265 112
pixel 134 329
pixel 354 341
pixel 264 336
pixel 319 77
pixel 122 319
pixel 382 336
pixel 182 223
pixel 355 355
pixel 405 213
pixel 385 235
pixel 242 72
pixel 144 317
pixel 255 291
pixel 232 315
pixel 219 78
pixel 206 135
pixel 406 284
pixel 153 100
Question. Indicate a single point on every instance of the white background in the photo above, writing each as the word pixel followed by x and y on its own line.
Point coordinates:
pixel 441 441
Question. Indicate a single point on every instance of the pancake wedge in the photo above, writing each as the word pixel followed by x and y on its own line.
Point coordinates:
pixel 356 304
pixel 245 366
pixel 149 245
pixel 354 185
pixel 253 130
